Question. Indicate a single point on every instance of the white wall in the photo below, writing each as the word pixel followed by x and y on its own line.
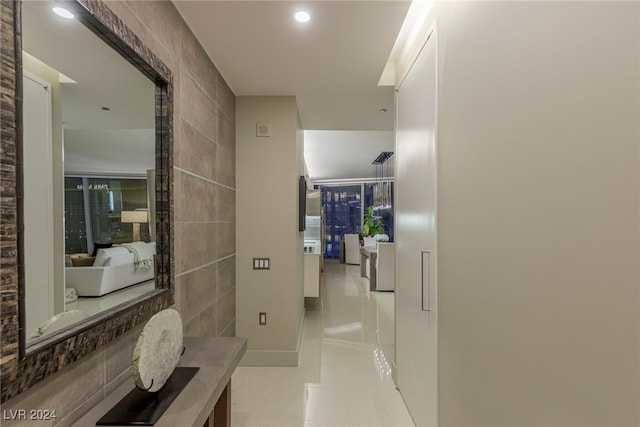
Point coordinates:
pixel 267 171
pixel 538 207
pixel 344 154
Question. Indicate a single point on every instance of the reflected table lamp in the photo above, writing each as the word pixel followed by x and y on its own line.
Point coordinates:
pixel 135 218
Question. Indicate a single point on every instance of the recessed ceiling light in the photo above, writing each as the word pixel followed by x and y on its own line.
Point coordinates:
pixel 105 108
pixel 302 16
pixel 61 11
pixel 383 110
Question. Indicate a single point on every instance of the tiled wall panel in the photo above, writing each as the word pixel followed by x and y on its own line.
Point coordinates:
pixel 204 185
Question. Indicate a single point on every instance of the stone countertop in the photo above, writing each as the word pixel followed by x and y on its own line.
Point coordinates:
pixel 217 358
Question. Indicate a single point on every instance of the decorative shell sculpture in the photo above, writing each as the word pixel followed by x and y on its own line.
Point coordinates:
pixel 158 350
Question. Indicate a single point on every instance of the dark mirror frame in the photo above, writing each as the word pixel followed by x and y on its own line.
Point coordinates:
pixel 20 367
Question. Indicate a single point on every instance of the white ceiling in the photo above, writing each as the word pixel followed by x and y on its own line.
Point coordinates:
pixel 344 154
pixel 332 64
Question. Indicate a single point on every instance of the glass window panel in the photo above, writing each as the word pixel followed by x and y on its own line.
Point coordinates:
pixel 341 205
pixel 74 218
pixel 107 198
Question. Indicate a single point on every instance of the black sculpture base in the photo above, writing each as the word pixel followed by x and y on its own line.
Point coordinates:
pixel 143 408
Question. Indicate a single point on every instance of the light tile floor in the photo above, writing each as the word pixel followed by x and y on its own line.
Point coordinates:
pixel 345 373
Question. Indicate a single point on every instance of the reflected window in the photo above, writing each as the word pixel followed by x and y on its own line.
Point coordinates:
pixel 93 211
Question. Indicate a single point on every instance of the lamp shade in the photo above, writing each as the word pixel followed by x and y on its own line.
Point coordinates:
pixel 134 216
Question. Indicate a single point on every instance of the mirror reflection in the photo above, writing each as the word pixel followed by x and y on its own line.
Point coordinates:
pixel 89 158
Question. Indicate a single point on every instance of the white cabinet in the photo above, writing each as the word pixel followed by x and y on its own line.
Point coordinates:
pixel 415 238
pixel 312 275
pixel 386 267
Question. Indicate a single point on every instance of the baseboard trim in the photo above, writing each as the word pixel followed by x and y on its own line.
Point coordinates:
pixel 300 334
pixel 275 357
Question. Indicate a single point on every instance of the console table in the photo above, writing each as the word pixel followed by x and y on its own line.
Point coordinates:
pixel 370 253
pixel 206 400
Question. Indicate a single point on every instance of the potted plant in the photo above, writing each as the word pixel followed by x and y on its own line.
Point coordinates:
pixel 371 226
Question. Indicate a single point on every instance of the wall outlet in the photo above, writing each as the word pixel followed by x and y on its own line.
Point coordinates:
pixel 262 318
pixel 262 263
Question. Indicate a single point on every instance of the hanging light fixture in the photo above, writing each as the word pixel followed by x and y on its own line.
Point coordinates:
pixel 382 188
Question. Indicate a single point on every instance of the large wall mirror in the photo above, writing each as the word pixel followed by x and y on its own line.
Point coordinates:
pixel 87 249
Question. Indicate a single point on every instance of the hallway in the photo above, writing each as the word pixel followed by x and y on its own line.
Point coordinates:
pixel 344 375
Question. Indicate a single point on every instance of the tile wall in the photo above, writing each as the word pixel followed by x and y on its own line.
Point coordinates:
pixel 204 188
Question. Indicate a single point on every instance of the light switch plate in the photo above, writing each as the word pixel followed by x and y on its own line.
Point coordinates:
pixel 262 263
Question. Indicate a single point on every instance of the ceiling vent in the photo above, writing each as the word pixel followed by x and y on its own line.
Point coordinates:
pixel 263 129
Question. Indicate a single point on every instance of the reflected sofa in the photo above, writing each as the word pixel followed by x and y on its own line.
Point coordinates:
pixel 112 270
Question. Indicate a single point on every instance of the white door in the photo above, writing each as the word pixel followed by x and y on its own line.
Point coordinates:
pixel 38 201
pixel 415 233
